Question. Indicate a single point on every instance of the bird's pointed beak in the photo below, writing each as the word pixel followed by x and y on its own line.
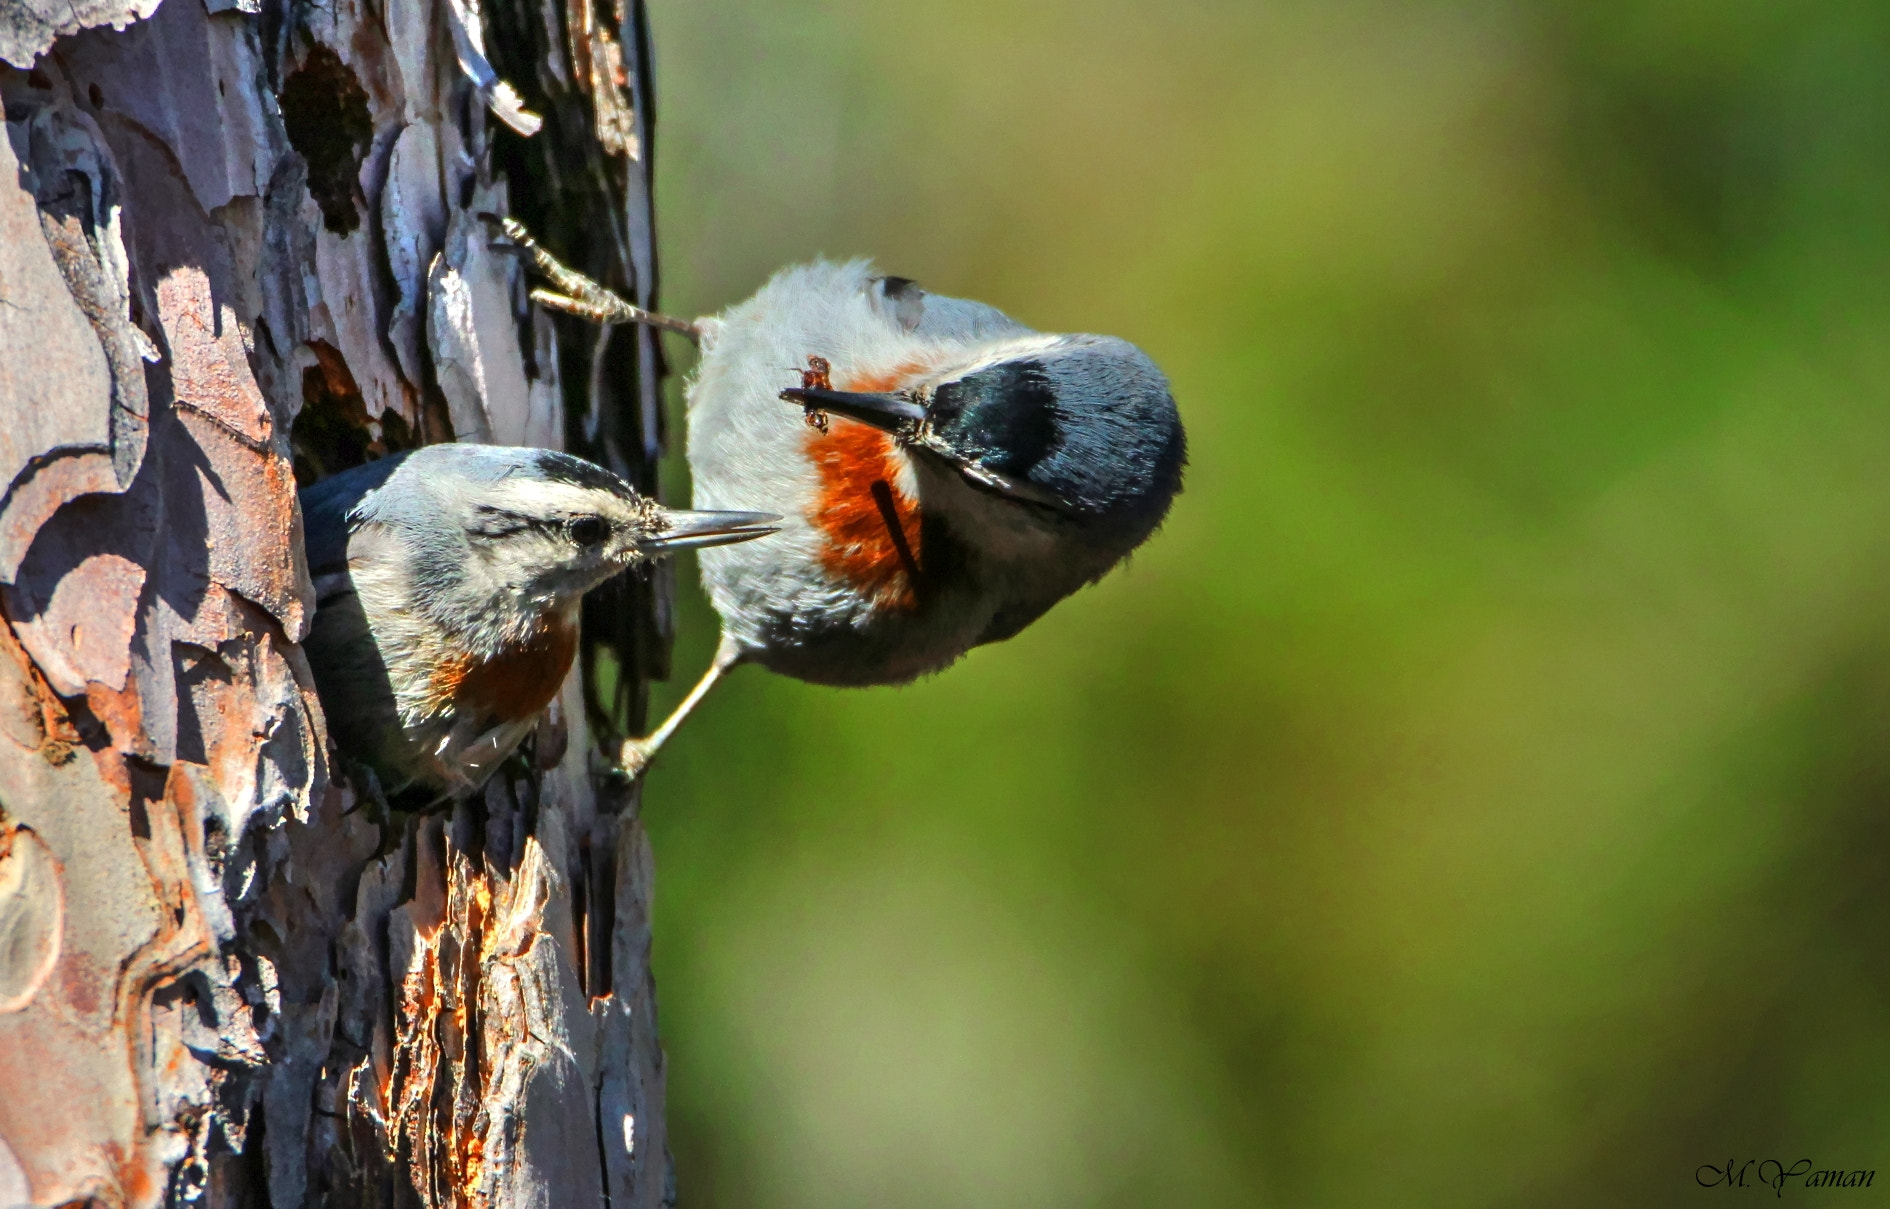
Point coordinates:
pixel 679 530
pixel 892 413
pixel 903 418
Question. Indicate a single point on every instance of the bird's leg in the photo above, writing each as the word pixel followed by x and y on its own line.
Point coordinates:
pixel 637 753
pixel 584 297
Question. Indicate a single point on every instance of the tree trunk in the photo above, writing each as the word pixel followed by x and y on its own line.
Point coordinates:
pixel 241 248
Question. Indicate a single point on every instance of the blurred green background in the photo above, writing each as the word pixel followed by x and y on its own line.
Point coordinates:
pixel 1476 794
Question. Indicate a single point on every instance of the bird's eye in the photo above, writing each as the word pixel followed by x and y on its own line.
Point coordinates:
pixel 589 530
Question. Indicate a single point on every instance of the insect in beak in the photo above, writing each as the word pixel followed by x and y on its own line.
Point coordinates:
pixel 891 413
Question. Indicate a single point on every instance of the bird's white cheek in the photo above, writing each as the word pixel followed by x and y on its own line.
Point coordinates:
pixel 906 475
pixel 1012 537
pixel 1004 532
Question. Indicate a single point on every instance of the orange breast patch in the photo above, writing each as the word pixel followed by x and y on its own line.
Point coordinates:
pixel 518 682
pixel 889 380
pixel 872 527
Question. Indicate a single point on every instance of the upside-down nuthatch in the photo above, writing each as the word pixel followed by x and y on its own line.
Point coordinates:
pixel 946 473
pixel 447 586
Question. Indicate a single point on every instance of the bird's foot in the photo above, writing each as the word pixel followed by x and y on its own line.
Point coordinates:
pixel 580 295
pixel 636 756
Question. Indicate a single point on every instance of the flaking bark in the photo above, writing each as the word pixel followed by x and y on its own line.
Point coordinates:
pixel 241 248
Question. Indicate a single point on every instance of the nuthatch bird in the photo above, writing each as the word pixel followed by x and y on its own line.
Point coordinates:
pixel 946 473
pixel 447 587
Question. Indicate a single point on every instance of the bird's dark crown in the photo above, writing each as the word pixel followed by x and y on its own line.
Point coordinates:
pixel 556 467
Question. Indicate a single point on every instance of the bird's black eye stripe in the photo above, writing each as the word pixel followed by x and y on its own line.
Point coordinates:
pixel 1004 417
pixel 488 521
pixel 588 530
pixel 492 523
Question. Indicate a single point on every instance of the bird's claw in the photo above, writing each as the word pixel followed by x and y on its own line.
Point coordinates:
pixel 635 757
pixel 579 295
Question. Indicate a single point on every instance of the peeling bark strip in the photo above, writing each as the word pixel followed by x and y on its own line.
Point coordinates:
pixel 239 250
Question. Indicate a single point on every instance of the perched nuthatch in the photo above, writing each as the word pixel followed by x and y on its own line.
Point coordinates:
pixel 946 473
pixel 447 587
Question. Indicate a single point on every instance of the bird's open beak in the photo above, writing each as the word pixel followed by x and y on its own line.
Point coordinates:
pixel 893 413
pixel 694 530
